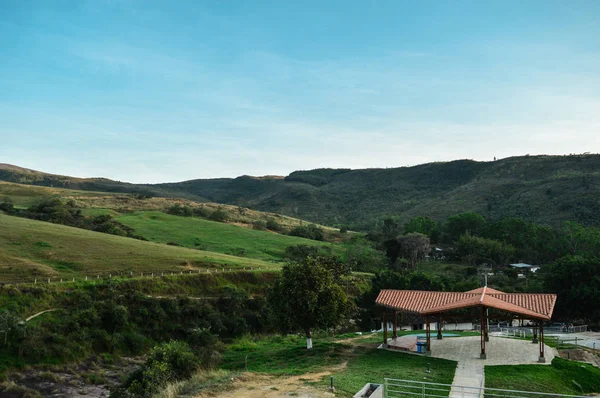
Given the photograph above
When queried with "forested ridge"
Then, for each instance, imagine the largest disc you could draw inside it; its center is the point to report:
(543, 189)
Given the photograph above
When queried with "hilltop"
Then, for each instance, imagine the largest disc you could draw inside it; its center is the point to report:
(544, 189)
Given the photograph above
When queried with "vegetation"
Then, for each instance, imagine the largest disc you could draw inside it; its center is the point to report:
(543, 189)
(33, 249)
(287, 355)
(213, 236)
(308, 296)
(562, 377)
(168, 363)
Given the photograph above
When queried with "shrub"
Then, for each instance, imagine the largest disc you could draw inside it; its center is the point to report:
(309, 232)
(167, 362)
(219, 215)
(260, 225)
(273, 225)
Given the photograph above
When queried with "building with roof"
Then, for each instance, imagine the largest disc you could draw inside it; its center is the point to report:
(475, 303)
(523, 266)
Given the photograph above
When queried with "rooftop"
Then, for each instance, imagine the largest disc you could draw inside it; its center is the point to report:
(533, 305)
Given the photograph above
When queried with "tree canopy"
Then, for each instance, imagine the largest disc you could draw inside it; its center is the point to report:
(306, 296)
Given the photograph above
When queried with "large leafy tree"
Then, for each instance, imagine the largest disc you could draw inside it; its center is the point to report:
(476, 250)
(576, 281)
(306, 296)
(458, 225)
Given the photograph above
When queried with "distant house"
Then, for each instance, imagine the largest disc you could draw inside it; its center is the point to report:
(523, 266)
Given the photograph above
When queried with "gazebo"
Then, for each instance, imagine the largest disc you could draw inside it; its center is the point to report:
(432, 305)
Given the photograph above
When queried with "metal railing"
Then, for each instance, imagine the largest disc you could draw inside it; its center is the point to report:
(396, 388)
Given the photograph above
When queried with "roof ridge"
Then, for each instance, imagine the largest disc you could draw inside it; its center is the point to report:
(483, 294)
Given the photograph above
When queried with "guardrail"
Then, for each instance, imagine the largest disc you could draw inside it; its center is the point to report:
(396, 388)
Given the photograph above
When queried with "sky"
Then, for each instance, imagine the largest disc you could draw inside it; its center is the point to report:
(156, 91)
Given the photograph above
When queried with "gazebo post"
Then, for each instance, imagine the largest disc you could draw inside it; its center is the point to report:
(395, 327)
(534, 340)
(385, 335)
(482, 337)
(439, 327)
(542, 359)
(428, 333)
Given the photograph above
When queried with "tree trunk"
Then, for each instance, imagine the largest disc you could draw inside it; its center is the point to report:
(308, 339)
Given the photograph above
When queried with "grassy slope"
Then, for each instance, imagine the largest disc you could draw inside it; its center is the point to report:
(547, 189)
(212, 236)
(562, 377)
(31, 248)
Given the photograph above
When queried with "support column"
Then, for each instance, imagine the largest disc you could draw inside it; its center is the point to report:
(534, 340)
(385, 328)
(542, 359)
(428, 334)
(395, 327)
(486, 334)
(482, 329)
(439, 327)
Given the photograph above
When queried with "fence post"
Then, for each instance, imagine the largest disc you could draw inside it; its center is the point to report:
(423, 391)
(35, 280)
(48, 280)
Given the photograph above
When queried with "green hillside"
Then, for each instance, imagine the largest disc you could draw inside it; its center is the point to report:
(30, 249)
(544, 189)
(213, 236)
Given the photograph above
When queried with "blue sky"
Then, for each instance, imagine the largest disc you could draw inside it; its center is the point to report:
(153, 91)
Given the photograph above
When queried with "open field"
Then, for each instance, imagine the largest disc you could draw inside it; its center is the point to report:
(351, 361)
(31, 249)
(562, 377)
(194, 232)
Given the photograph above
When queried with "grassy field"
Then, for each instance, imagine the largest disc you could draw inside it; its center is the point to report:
(214, 236)
(351, 362)
(30, 249)
(562, 377)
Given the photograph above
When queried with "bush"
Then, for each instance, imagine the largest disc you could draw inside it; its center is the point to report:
(300, 252)
(259, 225)
(167, 362)
(219, 215)
(273, 225)
(180, 210)
(309, 232)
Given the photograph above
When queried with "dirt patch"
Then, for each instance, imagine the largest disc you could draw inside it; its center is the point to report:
(251, 385)
(581, 356)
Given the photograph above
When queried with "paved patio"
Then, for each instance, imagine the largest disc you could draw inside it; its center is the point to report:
(500, 351)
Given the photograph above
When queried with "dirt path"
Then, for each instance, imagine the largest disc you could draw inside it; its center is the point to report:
(40, 313)
(251, 385)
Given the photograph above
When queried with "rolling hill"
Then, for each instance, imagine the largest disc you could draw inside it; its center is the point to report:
(545, 189)
(34, 249)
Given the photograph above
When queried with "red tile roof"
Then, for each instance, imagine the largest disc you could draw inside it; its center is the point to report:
(424, 303)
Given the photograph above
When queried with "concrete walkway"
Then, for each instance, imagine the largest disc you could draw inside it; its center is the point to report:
(470, 369)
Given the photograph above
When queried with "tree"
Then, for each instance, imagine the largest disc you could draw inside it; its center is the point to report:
(576, 281)
(306, 296)
(458, 225)
(413, 247)
(476, 250)
(423, 225)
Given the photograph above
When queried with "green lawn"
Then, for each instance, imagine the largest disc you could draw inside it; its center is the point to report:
(561, 377)
(30, 249)
(194, 232)
(288, 356)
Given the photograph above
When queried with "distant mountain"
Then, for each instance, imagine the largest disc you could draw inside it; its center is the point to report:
(546, 189)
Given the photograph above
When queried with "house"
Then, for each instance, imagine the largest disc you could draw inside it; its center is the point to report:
(523, 266)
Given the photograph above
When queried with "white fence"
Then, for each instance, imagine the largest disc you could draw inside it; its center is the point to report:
(123, 274)
(395, 388)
